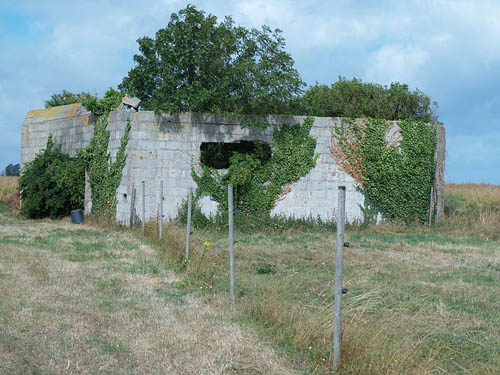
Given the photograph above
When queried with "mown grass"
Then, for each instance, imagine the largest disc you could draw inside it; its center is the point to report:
(80, 299)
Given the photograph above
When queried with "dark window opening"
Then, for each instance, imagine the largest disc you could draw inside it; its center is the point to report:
(217, 154)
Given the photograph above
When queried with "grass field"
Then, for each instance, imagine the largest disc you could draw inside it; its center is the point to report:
(420, 300)
(472, 209)
(407, 297)
(81, 300)
(8, 192)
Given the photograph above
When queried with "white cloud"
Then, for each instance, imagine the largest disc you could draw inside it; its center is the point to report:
(395, 63)
(259, 12)
(444, 47)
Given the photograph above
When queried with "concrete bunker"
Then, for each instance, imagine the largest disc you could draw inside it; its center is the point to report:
(165, 147)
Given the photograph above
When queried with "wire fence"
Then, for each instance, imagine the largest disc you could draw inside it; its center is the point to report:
(365, 249)
(326, 288)
(404, 257)
(419, 261)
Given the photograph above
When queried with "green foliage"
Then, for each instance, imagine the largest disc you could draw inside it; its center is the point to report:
(100, 107)
(54, 180)
(217, 154)
(181, 284)
(266, 269)
(112, 99)
(52, 184)
(354, 98)
(67, 97)
(104, 174)
(396, 180)
(201, 65)
(198, 219)
(257, 184)
(13, 170)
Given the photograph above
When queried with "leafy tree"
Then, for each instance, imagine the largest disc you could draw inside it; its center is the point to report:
(52, 184)
(355, 98)
(67, 97)
(201, 65)
(13, 170)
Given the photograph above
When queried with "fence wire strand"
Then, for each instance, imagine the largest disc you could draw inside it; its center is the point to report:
(416, 260)
(315, 235)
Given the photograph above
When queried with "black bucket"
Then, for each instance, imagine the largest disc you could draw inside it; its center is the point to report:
(77, 216)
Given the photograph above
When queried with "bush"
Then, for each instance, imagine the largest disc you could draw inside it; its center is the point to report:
(355, 98)
(13, 170)
(52, 184)
(100, 107)
(65, 98)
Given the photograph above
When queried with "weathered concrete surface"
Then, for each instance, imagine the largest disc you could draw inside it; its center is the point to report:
(440, 165)
(165, 147)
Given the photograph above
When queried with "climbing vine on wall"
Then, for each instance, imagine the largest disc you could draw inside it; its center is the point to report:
(104, 174)
(258, 184)
(395, 176)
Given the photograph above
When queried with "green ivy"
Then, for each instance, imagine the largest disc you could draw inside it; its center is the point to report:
(101, 107)
(395, 178)
(104, 174)
(257, 184)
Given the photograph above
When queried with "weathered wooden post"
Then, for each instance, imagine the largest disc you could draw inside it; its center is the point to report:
(431, 206)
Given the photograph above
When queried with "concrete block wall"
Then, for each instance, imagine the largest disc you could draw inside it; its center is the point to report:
(70, 126)
(165, 147)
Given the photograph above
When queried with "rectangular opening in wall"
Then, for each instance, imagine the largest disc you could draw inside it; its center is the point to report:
(217, 154)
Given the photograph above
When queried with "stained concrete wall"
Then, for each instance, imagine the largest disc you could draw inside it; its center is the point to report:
(165, 147)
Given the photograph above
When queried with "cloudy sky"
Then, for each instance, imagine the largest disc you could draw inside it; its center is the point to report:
(447, 49)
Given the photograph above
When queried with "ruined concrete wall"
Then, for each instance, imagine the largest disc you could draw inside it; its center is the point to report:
(439, 177)
(165, 147)
(70, 126)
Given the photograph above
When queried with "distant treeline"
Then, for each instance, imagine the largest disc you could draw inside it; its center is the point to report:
(11, 170)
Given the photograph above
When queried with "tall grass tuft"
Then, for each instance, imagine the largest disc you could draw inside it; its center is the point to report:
(200, 266)
(472, 209)
(9, 192)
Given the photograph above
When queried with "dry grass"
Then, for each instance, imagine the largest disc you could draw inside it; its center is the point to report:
(405, 294)
(472, 209)
(82, 300)
(9, 191)
(483, 193)
(400, 282)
